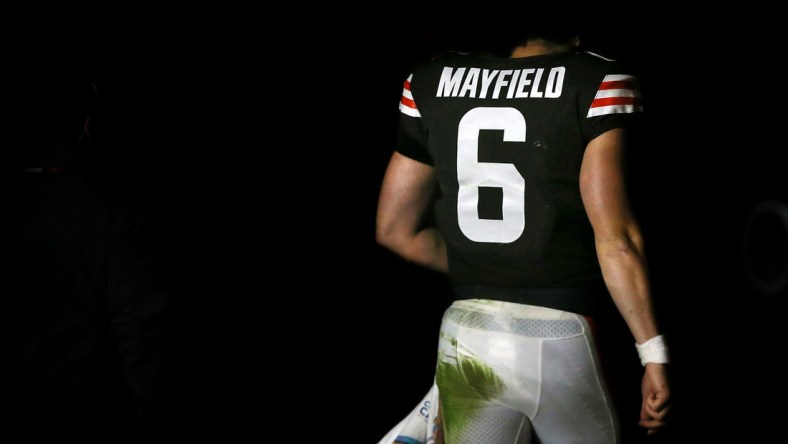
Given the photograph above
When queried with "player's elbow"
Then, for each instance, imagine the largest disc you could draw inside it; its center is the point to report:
(382, 237)
(387, 234)
(615, 246)
(619, 247)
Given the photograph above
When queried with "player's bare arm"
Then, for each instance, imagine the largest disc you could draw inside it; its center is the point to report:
(621, 256)
(405, 197)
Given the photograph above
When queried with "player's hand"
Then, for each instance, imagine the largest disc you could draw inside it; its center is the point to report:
(437, 434)
(656, 398)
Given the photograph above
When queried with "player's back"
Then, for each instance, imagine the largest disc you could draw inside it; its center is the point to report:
(507, 138)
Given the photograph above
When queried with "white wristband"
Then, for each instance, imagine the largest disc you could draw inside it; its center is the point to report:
(654, 350)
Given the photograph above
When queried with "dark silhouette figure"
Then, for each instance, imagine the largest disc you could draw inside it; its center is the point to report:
(83, 319)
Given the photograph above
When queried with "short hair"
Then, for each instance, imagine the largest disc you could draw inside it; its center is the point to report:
(516, 32)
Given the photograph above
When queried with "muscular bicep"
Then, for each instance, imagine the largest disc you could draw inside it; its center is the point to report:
(405, 197)
(603, 185)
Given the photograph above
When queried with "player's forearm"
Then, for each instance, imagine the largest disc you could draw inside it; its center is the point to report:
(624, 271)
(425, 247)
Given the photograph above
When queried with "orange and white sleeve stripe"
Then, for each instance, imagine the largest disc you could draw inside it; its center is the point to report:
(617, 94)
(406, 104)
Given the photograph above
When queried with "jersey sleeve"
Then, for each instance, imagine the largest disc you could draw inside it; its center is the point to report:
(411, 137)
(612, 100)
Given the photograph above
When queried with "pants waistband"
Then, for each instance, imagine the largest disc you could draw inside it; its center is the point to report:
(580, 300)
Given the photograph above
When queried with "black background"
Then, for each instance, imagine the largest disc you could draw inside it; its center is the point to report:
(259, 153)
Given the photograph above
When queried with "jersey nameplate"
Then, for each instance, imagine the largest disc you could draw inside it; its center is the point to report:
(509, 83)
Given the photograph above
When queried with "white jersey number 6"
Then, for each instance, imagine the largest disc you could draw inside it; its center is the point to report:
(473, 174)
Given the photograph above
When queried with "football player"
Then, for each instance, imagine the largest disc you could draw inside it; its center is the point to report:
(521, 158)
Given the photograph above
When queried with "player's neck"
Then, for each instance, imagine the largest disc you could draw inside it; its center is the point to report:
(538, 47)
